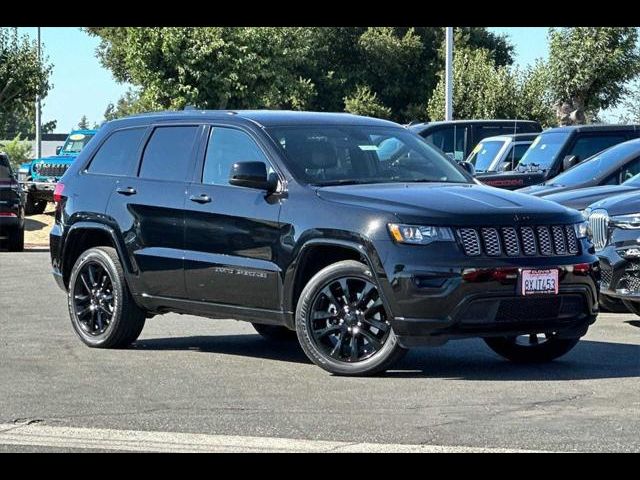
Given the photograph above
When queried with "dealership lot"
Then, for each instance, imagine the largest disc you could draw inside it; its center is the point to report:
(187, 375)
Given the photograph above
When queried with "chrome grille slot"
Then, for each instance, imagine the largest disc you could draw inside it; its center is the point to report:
(559, 244)
(491, 241)
(470, 241)
(544, 241)
(599, 226)
(511, 243)
(528, 241)
(572, 239)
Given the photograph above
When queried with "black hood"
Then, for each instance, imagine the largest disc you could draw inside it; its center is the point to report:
(620, 204)
(451, 204)
(583, 197)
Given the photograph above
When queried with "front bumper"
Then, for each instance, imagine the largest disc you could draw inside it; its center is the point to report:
(620, 265)
(431, 304)
(39, 190)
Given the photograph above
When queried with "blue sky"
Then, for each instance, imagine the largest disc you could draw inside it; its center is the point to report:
(81, 86)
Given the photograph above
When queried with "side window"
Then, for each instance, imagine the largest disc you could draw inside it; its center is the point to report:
(117, 154)
(631, 169)
(167, 155)
(450, 140)
(585, 147)
(226, 147)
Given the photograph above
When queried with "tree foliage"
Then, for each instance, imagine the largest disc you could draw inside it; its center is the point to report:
(83, 124)
(22, 77)
(483, 89)
(589, 68)
(319, 68)
(18, 150)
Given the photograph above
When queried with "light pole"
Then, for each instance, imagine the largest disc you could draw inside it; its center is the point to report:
(38, 122)
(448, 98)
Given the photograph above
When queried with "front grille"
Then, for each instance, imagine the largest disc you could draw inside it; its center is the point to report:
(52, 169)
(541, 240)
(606, 276)
(599, 226)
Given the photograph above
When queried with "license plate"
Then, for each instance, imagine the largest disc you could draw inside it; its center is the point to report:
(539, 282)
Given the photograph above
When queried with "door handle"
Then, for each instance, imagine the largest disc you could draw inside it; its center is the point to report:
(126, 191)
(203, 198)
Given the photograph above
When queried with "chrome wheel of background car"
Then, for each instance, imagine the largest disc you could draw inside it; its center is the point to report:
(348, 321)
(93, 299)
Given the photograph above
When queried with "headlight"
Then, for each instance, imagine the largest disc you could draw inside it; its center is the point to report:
(585, 213)
(628, 222)
(582, 229)
(419, 234)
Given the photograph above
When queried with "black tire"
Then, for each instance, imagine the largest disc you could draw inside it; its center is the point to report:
(613, 305)
(127, 319)
(274, 332)
(633, 307)
(530, 352)
(34, 207)
(376, 357)
(15, 242)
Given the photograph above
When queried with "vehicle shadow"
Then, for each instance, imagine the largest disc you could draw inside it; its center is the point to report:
(462, 359)
(32, 225)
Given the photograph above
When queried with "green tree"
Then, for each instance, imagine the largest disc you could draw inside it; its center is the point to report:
(281, 67)
(631, 104)
(589, 68)
(365, 102)
(22, 77)
(482, 89)
(18, 150)
(83, 124)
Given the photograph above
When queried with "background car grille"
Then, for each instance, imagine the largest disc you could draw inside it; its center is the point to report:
(599, 226)
(52, 169)
(514, 242)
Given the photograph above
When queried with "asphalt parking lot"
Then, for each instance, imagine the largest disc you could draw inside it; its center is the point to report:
(198, 384)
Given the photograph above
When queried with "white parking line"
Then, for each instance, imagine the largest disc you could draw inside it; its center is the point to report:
(142, 441)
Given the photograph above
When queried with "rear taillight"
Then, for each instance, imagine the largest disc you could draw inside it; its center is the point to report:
(58, 193)
(7, 214)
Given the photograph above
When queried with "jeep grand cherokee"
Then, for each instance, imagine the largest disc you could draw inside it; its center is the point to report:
(350, 231)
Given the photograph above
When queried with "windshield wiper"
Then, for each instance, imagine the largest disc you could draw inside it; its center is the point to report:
(333, 183)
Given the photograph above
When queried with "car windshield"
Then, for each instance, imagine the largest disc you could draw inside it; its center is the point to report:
(351, 154)
(485, 152)
(76, 142)
(543, 151)
(597, 166)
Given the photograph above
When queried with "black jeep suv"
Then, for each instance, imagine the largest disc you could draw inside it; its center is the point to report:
(351, 231)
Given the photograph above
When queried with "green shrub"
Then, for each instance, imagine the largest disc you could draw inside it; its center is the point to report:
(19, 151)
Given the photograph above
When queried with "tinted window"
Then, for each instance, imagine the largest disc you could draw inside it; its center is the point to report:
(167, 155)
(450, 140)
(585, 147)
(343, 154)
(117, 154)
(544, 150)
(5, 169)
(226, 147)
(76, 142)
(630, 170)
(484, 154)
(594, 167)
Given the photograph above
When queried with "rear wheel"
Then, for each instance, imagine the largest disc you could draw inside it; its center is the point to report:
(15, 242)
(531, 348)
(34, 207)
(343, 324)
(274, 332)
(102, 310)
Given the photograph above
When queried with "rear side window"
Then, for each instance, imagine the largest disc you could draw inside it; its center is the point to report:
(168, 153)
(451, 140)
(586, 147)
(117, 154)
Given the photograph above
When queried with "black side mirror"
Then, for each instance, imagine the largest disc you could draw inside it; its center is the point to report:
(252, 175)
(58, 149)
(569, 161)
(468, 166)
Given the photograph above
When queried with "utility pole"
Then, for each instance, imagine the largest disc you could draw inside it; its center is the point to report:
(448, 99)
(38, 121)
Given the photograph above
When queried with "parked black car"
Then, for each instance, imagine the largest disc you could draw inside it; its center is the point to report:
(11, 207)
(611, 167)
(581, 198)
(500, 153)
(457, 138)
(615, 226)
(351, 231)
(557, 150)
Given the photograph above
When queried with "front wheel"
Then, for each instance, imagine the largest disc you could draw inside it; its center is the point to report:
(531, 348)
(34, 207)
(343, 324)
